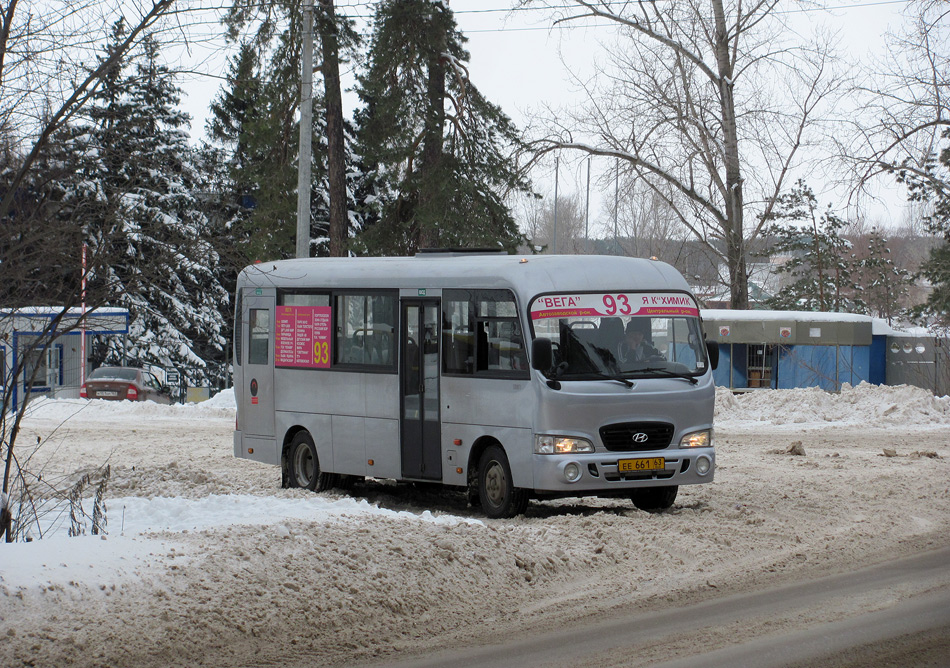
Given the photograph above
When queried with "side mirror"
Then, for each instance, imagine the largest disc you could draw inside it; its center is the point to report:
(542, 355)
(712, 349)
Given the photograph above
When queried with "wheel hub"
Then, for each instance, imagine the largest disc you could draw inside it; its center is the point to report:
(495, 484)
(303, 465)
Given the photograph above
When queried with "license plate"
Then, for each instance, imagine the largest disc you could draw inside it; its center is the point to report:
(648, 464)
(106, 393)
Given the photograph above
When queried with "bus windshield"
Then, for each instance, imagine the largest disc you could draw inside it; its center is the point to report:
(621, 335)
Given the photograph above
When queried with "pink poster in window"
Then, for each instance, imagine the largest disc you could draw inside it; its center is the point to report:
(303, 337)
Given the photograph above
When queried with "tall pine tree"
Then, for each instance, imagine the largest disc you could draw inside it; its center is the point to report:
(438, 152)
(268, 130)
(147, 225)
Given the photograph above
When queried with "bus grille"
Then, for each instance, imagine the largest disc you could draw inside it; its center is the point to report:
(628, 436)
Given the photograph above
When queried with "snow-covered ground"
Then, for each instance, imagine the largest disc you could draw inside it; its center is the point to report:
(208, 562)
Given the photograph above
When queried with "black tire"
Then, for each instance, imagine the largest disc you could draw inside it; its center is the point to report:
(654, 499)
(303, 465)
(496, 491)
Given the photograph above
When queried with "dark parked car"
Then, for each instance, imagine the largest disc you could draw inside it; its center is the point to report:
(124, 382)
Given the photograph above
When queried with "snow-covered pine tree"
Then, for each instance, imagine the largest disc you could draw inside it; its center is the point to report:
(233, 186)
(148, 226)
(40, 246)
(817, 263)
(883, 284)
(439, 153)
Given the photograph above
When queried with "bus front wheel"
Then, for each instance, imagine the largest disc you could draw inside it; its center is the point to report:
(496, 491)
(654, 499)
(303, 465)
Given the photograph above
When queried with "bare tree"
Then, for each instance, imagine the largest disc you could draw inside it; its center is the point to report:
(49, 70)
(647, 226)
(906, 96)
(707, 104)
(50, 67)
(540, 228)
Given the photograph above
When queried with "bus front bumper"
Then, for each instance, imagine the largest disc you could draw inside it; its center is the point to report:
(610, 472)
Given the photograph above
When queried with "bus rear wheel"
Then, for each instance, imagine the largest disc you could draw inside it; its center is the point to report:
(303, 465)
(496, 491)
(654, 499)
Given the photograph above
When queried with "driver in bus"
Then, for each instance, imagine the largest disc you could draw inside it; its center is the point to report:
(633, 347)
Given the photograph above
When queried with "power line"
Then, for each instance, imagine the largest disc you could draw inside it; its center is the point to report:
(561, 26)
(547, 8)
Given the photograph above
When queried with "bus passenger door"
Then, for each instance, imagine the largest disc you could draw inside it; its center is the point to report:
(419, 389)
(257, 396)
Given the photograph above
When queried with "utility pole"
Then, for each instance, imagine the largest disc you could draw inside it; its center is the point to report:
(306, 129)
(556, 173)
(616, 207)
(587, 214)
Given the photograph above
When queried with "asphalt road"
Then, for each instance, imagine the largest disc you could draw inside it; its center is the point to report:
(893, 614)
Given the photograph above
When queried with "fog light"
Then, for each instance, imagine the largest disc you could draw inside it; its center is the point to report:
(703, 465)
(572, 472)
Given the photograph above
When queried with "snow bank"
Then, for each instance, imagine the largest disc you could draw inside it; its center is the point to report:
(220, 405)
(136, 523)
(137, 515)
(874, 406)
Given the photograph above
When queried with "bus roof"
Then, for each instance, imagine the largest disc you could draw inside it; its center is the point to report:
(527, 275)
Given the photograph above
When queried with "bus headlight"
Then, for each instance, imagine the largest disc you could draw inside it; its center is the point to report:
(560, 445)
(697, 439)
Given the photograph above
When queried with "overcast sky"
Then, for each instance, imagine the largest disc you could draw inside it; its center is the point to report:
(520, 62)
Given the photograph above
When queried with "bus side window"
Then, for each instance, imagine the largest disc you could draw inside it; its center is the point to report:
(458, 337)
(482, 333)
(259, 327)
(364, 332)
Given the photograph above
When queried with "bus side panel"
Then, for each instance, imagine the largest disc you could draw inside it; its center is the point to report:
(501, 408)
(338, 393)
(349, 445)
(259, 449)
(318, 391)
(382, 447)
(488, 401)
(381, 397)
(517, 443)
(337, 401)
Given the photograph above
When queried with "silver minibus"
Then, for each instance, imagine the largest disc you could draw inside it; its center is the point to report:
(511, 377)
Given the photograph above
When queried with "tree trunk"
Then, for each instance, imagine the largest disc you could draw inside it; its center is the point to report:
(426, 230)
(336, 159)
(734, 233)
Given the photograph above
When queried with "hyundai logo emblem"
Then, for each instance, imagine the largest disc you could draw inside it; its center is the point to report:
(640, 437)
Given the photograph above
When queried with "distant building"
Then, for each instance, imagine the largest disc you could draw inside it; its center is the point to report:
(54, 361)
(789, 349)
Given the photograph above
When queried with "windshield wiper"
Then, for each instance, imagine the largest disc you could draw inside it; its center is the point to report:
(672, 374)
(607, 376)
